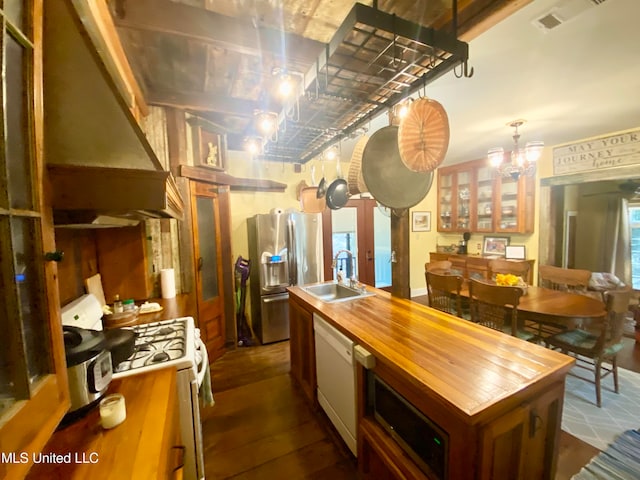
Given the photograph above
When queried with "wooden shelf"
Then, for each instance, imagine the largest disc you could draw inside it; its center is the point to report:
(235, 183)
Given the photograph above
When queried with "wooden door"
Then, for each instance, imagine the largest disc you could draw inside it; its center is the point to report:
(364, 229)
(205, 215)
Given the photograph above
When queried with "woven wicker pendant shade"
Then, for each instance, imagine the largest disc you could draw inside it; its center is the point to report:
(423, 135)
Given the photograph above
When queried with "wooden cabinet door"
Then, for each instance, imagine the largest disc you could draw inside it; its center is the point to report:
(205, 214)
(302, 349)
(33, 380)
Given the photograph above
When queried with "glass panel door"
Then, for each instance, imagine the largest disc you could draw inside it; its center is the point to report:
(382, 247)
(363, 228)
(508, 213)
(208, 260)
(485, 207)
(464, 195)
(445, 202)
(344, 236)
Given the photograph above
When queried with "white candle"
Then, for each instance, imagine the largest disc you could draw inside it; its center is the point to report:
(112, 410)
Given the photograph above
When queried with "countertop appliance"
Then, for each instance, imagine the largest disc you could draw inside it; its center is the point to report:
(336, 375)
(285, 249)
(89, 368)
(175, 342)
(424, 441)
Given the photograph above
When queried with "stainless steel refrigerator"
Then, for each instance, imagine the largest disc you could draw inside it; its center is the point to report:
(285, 249)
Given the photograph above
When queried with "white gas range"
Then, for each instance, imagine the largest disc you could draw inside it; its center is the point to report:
(175, 342)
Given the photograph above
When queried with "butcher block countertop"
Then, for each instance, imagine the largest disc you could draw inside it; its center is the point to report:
(474, 370)
(140, 447)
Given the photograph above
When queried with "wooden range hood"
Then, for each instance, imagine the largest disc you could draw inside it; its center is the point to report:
(111, 197)
(102, 169)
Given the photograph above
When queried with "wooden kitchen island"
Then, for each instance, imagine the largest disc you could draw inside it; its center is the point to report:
(497, 399)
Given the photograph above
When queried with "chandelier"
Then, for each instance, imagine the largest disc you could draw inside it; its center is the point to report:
(522, 161)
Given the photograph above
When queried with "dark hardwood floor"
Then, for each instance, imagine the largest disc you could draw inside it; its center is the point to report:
(262, 428)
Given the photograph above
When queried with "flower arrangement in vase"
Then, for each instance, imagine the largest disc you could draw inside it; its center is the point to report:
(510, 280)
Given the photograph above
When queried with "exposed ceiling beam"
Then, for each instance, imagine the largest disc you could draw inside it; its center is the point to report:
(201, 101)
(164, 16)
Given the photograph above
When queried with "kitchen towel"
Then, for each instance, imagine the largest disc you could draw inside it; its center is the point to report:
(168, 283)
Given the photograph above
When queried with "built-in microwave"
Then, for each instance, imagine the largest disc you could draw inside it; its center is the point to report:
(424, 441)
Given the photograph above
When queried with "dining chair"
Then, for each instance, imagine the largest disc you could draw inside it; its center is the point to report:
(566, 279)
(443, 292)
(496, 307)
(519, 269)
(592, 348)
(440, 266)
(458, 266)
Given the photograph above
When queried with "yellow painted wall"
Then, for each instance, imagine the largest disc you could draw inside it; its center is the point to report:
(246, 204)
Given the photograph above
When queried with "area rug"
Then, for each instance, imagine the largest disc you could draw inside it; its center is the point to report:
(620, 461)
(582, 418)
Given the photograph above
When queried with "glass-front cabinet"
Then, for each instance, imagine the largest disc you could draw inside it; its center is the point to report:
(485, 199)
(446, 201)
(455, 190)
(33, 389)
(473, 197)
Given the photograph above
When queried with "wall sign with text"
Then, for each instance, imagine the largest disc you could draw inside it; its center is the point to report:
(598, 154)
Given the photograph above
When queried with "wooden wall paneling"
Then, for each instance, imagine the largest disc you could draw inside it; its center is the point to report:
(80, 261)
(154, 126)
(122, 262)
(176, 139)
(173, 241)
(228, 265)
(185, 229)
(154, 255)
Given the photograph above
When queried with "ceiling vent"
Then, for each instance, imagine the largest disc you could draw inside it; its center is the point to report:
(563, 12)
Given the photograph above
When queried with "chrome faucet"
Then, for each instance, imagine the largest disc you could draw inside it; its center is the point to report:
(352, 280)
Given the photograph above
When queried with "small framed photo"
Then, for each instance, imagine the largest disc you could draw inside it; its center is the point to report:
(495, 246)
(421, 221)
(515, 252)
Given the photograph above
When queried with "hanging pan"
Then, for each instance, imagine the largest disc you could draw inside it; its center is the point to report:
(322, 187)
(388, 179)
(337, 194)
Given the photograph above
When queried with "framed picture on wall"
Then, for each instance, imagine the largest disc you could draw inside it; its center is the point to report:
(209, 145)
(421, 221)
(495, 246)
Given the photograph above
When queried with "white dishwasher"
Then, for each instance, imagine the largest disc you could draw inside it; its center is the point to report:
(336, 377)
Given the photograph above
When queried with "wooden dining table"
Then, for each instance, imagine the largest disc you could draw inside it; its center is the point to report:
(556, 308)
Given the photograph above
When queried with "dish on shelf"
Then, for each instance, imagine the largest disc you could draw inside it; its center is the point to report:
(507, 211)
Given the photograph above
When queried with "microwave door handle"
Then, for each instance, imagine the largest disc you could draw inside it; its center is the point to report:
(292, 254)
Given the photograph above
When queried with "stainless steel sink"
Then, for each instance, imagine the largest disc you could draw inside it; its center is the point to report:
(333, 292)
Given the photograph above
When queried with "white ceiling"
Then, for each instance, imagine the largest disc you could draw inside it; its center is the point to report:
(578, 80)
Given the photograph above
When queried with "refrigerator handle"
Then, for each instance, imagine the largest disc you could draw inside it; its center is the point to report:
(292, 253)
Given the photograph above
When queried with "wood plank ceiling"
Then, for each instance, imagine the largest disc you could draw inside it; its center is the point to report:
(216, 59)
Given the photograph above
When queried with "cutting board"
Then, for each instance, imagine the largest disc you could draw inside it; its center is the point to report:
(93, 285)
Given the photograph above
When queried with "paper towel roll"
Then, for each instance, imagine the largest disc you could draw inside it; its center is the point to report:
(168, 283)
